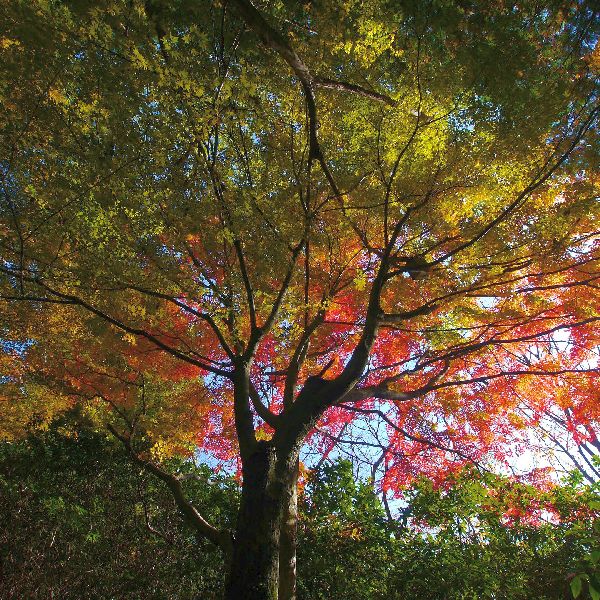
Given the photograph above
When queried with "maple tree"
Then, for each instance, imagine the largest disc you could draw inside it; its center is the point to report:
(244, 229)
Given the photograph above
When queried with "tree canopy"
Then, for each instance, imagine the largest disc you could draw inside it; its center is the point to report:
(252, 230)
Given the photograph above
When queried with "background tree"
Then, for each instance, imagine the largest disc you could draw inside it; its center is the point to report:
(78, 522)
(242, 229)
(477, 536)
(117, 533)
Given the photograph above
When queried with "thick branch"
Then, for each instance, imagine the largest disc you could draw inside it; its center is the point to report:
(298, 358)
(343, 86)
(261, 410)
(244, 424)
(220, 538)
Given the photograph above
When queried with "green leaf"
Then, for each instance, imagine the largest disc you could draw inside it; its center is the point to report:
(576, 585)
(594, 592)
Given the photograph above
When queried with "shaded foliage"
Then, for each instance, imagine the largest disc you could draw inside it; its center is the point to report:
(457, 542)
(75, 518)
(73, 525)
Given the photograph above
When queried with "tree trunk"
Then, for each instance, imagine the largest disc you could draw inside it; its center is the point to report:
(287, 549)
(267, 492)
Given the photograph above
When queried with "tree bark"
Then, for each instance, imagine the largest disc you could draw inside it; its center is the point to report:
(288, 541)
(268, 505)
(254, 571)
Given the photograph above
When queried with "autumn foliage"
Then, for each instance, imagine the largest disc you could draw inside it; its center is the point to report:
(313, 227)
